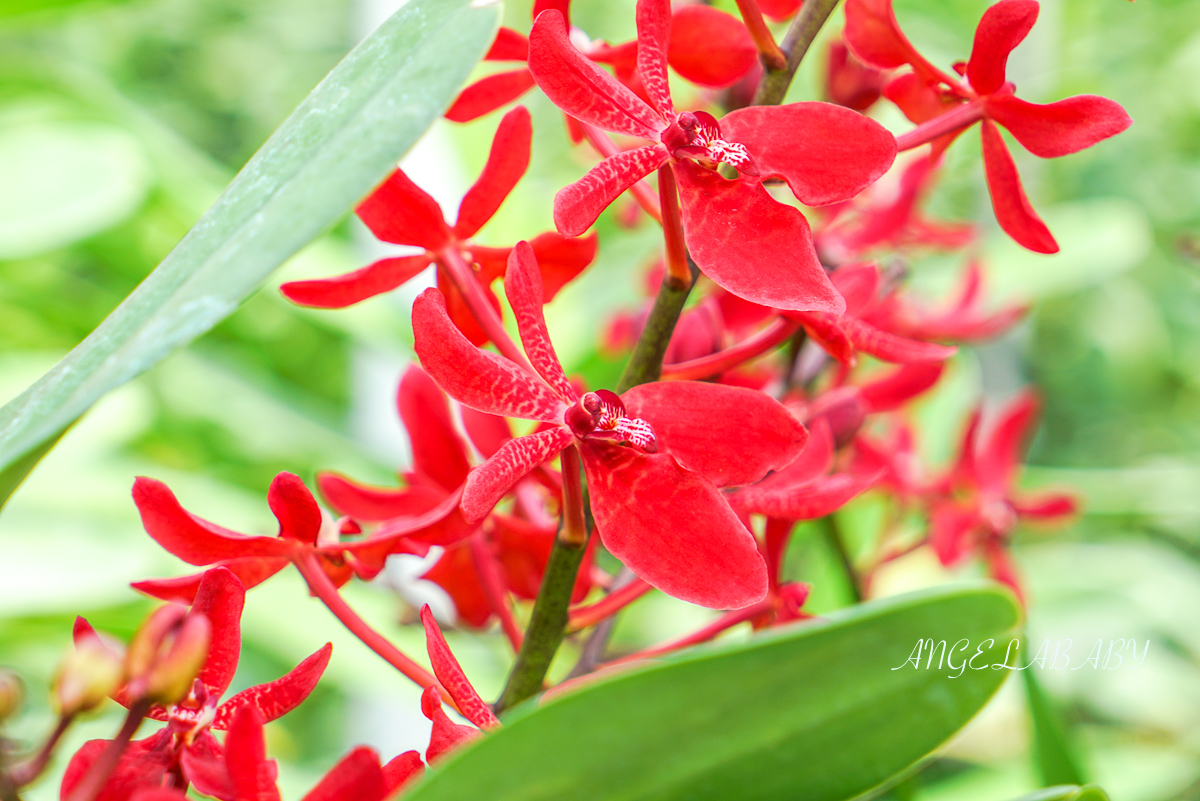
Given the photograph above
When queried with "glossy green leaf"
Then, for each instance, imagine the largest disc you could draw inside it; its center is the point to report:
(327, 155)
(1052, 751)
(821, 711)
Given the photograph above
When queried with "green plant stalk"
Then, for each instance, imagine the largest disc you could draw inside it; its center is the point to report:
(833, 536)
(799, 38)
(645, 363)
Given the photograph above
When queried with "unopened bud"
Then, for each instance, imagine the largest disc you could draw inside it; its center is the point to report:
(89, 674)
(12, 693)
(166, 654)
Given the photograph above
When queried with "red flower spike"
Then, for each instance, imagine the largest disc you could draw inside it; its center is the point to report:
(451, 675)
(734, 227)
(710, 47)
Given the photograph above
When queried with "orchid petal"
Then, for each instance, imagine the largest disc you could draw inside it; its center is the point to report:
(998, 457)
(874, 36)
(455, 573)
(402, 769)
(509, 45)
(560, 259)
(446, 735)
(251, 571)
(487, 432)
(731, 435)
(805, 501)
(220, 598)
(490, 93)
(779, 9)
(507, 162)
(1046, 506)
(281, 696)
(400, 212)
(142, 765)
(577, 205)
(523, 288)
(813, 462)
(672, 527)
(950, 529)
(828, 331)
(492, 480)
(438, 451)
(900, 386)
(1003, 26)
(1013, 212)
(1057, 129)
(858, 284)
(475, 377)
(654, 35)
(580, 88)
(295, 508)
(207, 772)
(452, 677)
(710, 47)
(250, 772)
(356, 776)
(368, 503)
(345, 290)
(892, 348)
(751, 245)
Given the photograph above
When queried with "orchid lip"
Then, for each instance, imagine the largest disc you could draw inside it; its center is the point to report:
(601, 415)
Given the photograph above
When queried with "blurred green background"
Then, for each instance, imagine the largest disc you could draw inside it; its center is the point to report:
(120, 122)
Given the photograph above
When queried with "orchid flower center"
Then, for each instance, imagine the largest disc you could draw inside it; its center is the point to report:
(602, 415)
(193, 714)
(697, 135)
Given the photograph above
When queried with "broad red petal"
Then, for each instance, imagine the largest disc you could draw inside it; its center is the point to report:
(1057, 129)
(523, 288)
(220, 598)
(345, 290)
(874, 36)
(710, 47)
(492, 480)
(142, 766)
(490, 93)
(751, 245)
(295, 508)
(251, 571)
(452, 677)
(561, 258)
(672, 527)
(734, 436)
(402, 769)
(475, 377)
(507, 161)
(654, 35)
(281, 696)
(250, 772)
(779, 9)
(192, 539)
(1003, 26)
(400, 212)
(1013, 212)
(825, 152)
(356, 776)
(998, 455)
(582, 89)
(438, 451)
(577, 205)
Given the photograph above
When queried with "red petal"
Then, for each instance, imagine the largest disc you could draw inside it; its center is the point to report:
(492, 480)
(560, 259)
(710, 47)
(900, 386)
(875, 37)
(998, 456)
(487, 432)
(345, 290)
(654, 34)
(580, 88)
(1013, 212)
(524, 548)
(475, 377)
(828, 331)
(1003, 26)
(1046, 507)
(195, 541)
(490, 93)
(251, 571)
(577, 205)
(455, 573)
(452, 677)
(779, 9)
(278, 697)
(950, 528)
(295, 508)
(220, 598)
(400, 212)
(507, 162)
(142, 766)
(356, 776)
(402, 769)
(250, 772)
(813, 462)
(523, 288)
(369, 503)
(1056, 129)
(826, 153)
(672, 527)
(734, 436)
(806, 501)
(891, 348)
(734, 229)
(858, 284)
(446, 735)
(509, 45)
(438, 450)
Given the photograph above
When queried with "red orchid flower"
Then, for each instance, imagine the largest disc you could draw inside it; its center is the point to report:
(945, 105)
(654, 457)
(980, 505)
(304, 530)
(448, 735)
(846, 407)
(400, 212)
(185, 751)
(732, 228)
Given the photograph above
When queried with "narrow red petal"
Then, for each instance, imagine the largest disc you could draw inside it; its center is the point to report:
(751, 245)
(475, 377)
(731, 435)
(828, 331)
(446, 735)
(460, 312)
(278, 697)
(220, 598)
(507, 161)
(825, 152)
(900, 386)
(523, 288)
(487, 432)
(560, 259)
(950, 529)
(875, 37)
(672, 527)
(1057, 129)
(346, 290)
(577, 205)
(400, 212)
(891, 348)
(356, 776)
(251, 571)
(438, 451)
(654, 35)
(580, 88)
(1048, 506)
(250, 772)
(509, 45)
(490, 93)
(402, 769)
(295, 508)
(455, 573)
(367, 503)
(452, 677)
(710, 47)
(805, 501)
(1003, 26)
(998, 456)
(1013, 212)
(858, 284)
(492, 480)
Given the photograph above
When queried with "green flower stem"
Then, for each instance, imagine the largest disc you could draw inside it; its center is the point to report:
(835, 540)
(645, 363)
(804, 28)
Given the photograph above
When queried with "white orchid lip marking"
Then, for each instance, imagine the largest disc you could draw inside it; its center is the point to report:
(602, 415)
(696, 135)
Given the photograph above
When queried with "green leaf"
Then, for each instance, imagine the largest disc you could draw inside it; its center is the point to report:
(326, 156)
(1053, 755)
(1067, 792)
(821, 711)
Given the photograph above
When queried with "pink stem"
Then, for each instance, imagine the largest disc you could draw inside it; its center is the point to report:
(773, 58)
(94, 780)
(774, 334)
(725, 621)
(642, 192)
(590, 615)
(25, 772)
(574, 524)
(955, 119)
(493, 588)
(464, 278)
(678, 271)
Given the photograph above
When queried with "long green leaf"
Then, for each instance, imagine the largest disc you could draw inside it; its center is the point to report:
(329, 153)
(1052, 750)
(814, 712)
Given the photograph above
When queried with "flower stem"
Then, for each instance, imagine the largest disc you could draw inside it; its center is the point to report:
(493, 587)
(716, 363)
(833, 537)
(25, 772)
(800, 35)
(645, 363)
(615, 601)
(953, 120)
(93, 781)
(725, 621)
(772, 57)
(481, 308)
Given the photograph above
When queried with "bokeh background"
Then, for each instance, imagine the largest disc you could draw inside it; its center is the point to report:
(121, 121)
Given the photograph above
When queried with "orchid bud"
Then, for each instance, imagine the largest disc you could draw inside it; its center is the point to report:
(12, 693)
(167, 653)
(91, 672)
